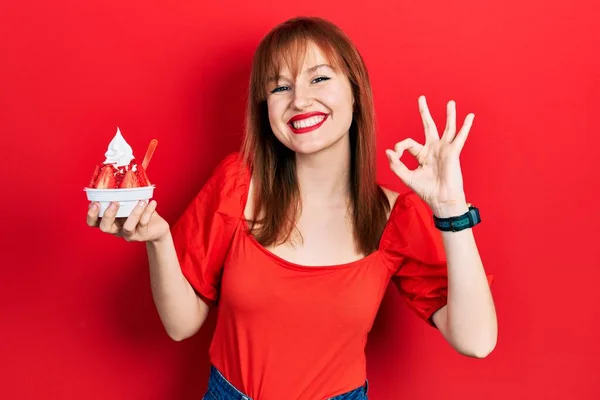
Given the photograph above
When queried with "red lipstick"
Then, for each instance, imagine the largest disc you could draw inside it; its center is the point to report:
(305, 116)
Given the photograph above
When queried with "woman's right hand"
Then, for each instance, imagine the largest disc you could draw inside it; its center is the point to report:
(143, 224)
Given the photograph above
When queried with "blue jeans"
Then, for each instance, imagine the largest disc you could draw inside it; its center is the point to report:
(219, 388)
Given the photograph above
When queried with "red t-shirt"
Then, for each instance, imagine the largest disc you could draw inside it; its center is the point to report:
(287, 331)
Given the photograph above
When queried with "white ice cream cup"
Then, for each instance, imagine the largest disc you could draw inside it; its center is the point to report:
(127, 198)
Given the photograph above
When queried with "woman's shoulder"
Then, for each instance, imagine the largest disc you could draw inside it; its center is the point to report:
(231, 166)
(408, 218)
(392, 197)
(403, 201)
(400, 202)
(226, 189)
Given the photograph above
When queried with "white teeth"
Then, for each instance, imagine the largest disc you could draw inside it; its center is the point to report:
(305, 123)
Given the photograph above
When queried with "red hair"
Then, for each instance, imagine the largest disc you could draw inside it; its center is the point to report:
(276, 194)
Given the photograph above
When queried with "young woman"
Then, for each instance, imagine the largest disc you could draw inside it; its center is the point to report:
(296, 243)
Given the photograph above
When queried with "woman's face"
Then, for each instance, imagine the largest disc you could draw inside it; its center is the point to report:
(314, 111)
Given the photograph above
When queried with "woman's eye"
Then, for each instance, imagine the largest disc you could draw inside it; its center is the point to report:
(279, 89)
(285, 88)
(321, 79)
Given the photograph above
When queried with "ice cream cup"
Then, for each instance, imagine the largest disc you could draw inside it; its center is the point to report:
(127, 198)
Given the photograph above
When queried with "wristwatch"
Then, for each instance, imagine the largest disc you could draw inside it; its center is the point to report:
(455, 224)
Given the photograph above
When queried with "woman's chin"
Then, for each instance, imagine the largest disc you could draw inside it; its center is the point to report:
(308, 147)
(313, 142)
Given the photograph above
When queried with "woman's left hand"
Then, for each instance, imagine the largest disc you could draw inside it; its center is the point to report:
(438, 178)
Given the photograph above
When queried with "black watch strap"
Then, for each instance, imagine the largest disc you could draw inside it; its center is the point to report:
(455, 224)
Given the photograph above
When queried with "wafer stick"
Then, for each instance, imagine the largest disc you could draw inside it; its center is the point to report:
(149, 153)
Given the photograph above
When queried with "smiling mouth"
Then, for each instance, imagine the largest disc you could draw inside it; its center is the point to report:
(307, 124)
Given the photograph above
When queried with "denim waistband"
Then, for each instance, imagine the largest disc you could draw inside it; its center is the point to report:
(219, 388)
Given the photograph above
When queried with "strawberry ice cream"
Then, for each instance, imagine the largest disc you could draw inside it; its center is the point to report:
(119, 170)
(120, 178)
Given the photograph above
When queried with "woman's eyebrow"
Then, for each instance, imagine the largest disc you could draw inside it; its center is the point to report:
(316, 67)
(307, 71)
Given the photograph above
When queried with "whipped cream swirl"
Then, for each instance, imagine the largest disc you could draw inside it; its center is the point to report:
(119, 152)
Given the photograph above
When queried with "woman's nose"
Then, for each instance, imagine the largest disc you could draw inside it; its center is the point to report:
(302, 98)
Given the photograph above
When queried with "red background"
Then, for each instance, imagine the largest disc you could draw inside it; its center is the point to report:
(78, 321)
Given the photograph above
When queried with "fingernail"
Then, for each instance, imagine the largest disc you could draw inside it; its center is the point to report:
(92, 205)
(392, 159)
(141, 203)
(111, 206)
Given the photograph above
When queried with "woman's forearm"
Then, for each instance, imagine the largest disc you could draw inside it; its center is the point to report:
(180, 309)
(469, 321)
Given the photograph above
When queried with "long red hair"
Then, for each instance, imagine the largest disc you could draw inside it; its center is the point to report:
(276, 194)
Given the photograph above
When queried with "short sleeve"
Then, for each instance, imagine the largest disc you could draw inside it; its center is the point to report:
(415, 251)
(204, 232)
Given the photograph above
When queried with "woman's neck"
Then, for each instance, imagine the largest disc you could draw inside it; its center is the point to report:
(324, 177)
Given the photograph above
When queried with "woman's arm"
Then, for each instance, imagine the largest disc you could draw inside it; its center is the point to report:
(468, 321)
(181, 310)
